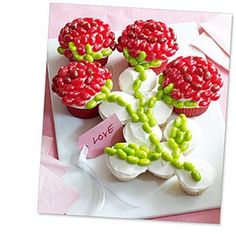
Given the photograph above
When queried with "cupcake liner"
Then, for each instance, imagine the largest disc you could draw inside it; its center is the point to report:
(159, 69)
(191, 112)
(83, 113)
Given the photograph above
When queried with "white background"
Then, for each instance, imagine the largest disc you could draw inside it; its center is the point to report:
(23, 43)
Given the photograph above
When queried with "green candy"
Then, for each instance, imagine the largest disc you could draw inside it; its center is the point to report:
(110, 151)
(177, 122)
(178, 104)
(77, 57)
(147, 128)
(144, 162)
(119, 146)
(152, 102)
(91, 104)
(160, 95)
(138, 68)
(88, 58)
(183, 117)
(179, 137)
(129, 151)
(144, 148)
(106, 52)
(160, 88)
(140, 110)
(133, 146)
(196, 175)
(96, 55)
(112, 98)
(153, 156)
(168, 89)
(177, 164)
(176, 153)
(145, 66)
(121, 102)
(190, 104)
(136, 85)
(184, 125)
(184, 146)
(159, 148)
(143, 117)
(149, 112)
(173, 132)
(72, 47)
(109, 84)
(142, 56)
(188, 166)
(138, 95)
(132, 61)
(155, 63)
(129, 109)
(126, 53)
(142, 102)
(105, 90)
(132, 160)
(135, 117)
(161, 79)
(167, 99)
(88, 49)
(100, 97)
(60, 50)
(121, 154)
(152, 121)
(154, 139)
(142, 75)
(141, 154)
(166, 156)
(172, 144)
(188, 135)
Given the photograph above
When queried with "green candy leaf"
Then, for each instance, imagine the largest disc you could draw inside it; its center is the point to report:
(126, 53)
(88, 49)
(110, 151)
(132, 61)
(88, 58)
(121, 154)
(112, 98)
(190, 104)
(136, 85)
(120, 146)
(72, 47)
(142, 56)
(109, 84)
(106, 52)
(166, 156)
(147, 128)
(177, 164)
(132, 160)
(196, 175)
(135, 117)
(161, 79)
(178, 104)
(154, 139)
(188, 166)
(167, 99)
(154, 156)
(168, 89)
(155, 63)
(138, 68)
(60, 50)
(91, 104)
(144, 162)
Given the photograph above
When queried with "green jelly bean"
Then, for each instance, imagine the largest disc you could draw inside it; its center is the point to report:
(129, 151)
(155, 63)
(135, 117)
(138, 95)
(166, 156)
(77, 57)
(161, 78)
(60, 50)
(91, 104)
(142, 102)
(143, 117)
(144, 162)
(106, 52)
(132, 61)
(112, 98)
(72, 47)
(105, 90)
(177, 164)
(120, 146)
(167, 99)
(149, 112)
(188, 166)
(110, 151)
(183, 117)
(196, 175)
(173, 132)
(184, 125)
(160, 95)
(152, 121)
(142, 56)
(141, 154)
(159, 88)
(142, 75)
(88, 58)
(121, 102)
(190, 104)
(184, 146)
(133, 146)
(179, 137)
(177, 122)
(130, 109)
(96, 55)
(136, 85)
(109, 84)
(172, 144)
(140, 110)
(159, 148)
(154, 156)
(154, 139)
(126, 53)
(121, 154)
(176, 153)
(168, 89)
(145, 66)
(132, 160)
(147, 128)
(188, 135)
(178, 104)
(88, 48)
(144, 148)
(152, 102)
(138, 68)
(100, 97)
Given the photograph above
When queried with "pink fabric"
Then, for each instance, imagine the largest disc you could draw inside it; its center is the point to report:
(62, 13)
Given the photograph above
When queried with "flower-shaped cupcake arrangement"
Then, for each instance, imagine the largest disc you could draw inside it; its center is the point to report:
(150, 90)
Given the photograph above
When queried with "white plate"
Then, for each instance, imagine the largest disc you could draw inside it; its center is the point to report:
(152, 196)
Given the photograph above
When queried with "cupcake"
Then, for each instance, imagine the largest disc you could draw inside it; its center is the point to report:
(149, 42)
(82, 86)
(190, 84)
(86, 39)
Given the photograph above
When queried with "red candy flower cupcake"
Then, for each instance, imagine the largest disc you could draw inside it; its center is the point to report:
(149, 42)
(190, 84)
(86, 39)
(82, 86)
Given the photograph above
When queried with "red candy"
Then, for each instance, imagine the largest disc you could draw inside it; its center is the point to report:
(77, 82)
(194, 78)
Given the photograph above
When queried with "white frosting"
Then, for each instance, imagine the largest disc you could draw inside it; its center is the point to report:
(196, 133)
(161, 168)
(106, 109)
(129, 75)
(207, 172)
(134, 133)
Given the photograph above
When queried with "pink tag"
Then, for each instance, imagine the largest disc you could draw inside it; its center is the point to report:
(106, 133)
